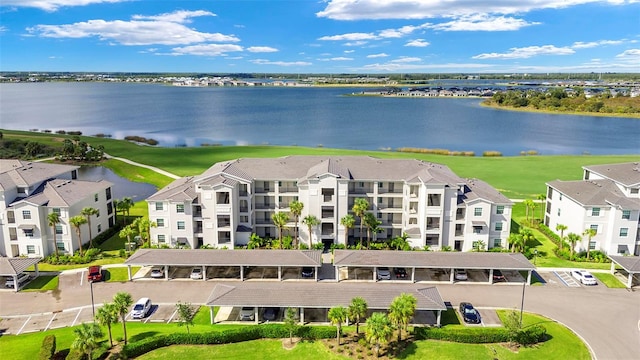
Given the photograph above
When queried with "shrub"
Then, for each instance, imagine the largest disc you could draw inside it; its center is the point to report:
(75, 354)
(466, 335)
(491, 153)
(48, 348)
(532, 335)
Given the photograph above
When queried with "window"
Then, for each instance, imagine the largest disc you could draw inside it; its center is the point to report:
(592, 245)
(594, 227)
(159, 206)
(180, 208)
(28, 232)
(635, 191)
(477, 212)
(99, 228)
(558, 211)
(595, 212)
(244, 218)
(624, 232)
(160, 223)
(626, 214)
(26, 214)
(95, 197)
(380, 185)
(497, 243)
(161, 239)
(56, 211)
(477, 229)
(500, 209)
(98, 213)
(499, 226)
(58, 229)
(560, 198)
(31, 249)
(60, 245)
(180, 225)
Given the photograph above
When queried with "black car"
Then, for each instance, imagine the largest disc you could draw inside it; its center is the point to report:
(400, 273)
(498, 276)
(271, 313)
(469, 314)
(307, 272)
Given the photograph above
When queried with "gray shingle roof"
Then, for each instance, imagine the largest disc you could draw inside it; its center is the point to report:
(595, 193)
(178, 190)
(63, 193)
(210, 257)
(624, 173)
(14, 266)
(25, 173)
(629, 263)
(482, 190)
(432, 259)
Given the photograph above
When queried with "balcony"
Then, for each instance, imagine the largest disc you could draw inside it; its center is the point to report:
(265, 206)
(243, 193)
(244, 209)
(264, 221)
(288, 189)
(263, 190)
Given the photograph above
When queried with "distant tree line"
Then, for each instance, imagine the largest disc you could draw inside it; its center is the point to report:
(71, 149)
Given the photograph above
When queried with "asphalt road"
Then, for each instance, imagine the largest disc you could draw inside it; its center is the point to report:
(607, 319)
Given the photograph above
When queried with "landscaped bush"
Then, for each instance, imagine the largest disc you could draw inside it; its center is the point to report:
(532, 335)
(106, 235)
(48, 348)
(463, 335)
(75, 354)
(64, 259)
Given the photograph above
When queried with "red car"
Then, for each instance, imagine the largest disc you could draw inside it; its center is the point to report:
(95, 273)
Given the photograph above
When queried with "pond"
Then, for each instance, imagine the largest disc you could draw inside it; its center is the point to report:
(121, 187)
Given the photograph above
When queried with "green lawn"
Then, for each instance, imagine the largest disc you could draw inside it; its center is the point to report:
(42, 283)
(609, 280)
(119, 274)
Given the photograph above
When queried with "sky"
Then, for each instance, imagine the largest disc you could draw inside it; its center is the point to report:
(321, 36)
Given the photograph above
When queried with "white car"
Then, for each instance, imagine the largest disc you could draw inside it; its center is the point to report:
(157, 272)
(196, 273)
(384, 273)
(584, 277)
(461, 274)
(141, 308)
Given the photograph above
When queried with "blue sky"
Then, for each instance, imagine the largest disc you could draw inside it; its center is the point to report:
(321, 36)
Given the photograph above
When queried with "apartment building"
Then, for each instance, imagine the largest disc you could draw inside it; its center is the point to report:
(30, 191)
(607, 199)
(233, 199)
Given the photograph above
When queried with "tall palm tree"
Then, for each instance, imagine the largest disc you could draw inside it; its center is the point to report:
(124, 206)
(144, 226)
(296, 210)
(561, 228)
(348, 221)
(127, 232)
(311, 221)
(107, 315)
(358, 310)
(527, 236)
(590, 233)
(373, 226)
(516, 241)
(573, 240)
(87, 337)
(77, 222)
(360, 207)
(529, 206)
(338, 315)
(280, 220)
(88, 212)
(541, 198)
(53, 219)
(401, 311)
(121, 303)
(379, 330)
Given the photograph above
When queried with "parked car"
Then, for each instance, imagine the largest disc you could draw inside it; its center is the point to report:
(384, 273)
(400, 273)
(271, 313)
(461, 274)
(469, 314)
(157, 272)
(307, 272)
(95, 273)
(141, 308)
(247, 313)
(584, 277)
(498, 276)
(196, 273)
(22, 278)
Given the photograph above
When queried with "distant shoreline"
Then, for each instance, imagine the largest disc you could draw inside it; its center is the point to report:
(530, 110)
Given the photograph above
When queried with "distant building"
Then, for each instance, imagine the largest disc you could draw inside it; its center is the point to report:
(607, 199)
(233, 199)
(30, 191)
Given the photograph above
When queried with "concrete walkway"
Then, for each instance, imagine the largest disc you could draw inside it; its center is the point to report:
(159, 171)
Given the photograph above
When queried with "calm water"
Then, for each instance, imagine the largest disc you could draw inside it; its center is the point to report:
(178, 116)
(121, 186)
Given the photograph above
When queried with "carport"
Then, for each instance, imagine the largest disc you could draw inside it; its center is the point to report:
(280, 259)
(448, 261)
(630, 264)
(15, 266)
(320, 296)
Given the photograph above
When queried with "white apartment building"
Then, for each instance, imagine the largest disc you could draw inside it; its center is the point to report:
(233, 199)
(30, 191)
(607, 199)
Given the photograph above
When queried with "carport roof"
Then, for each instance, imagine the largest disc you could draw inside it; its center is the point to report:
(432, 259)
(629, 263)
(320, 295)
(211, 257)
(14, 266)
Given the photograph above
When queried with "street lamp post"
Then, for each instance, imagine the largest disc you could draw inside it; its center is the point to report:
(524, 285)
(93, 306)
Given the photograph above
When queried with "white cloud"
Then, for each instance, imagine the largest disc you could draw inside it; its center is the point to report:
(3, 29)
(261, 49)
(630, 54)
(527, 52)
(180, 16)
(483, 22)
(339, 58)
(417, 43)
(592, 44)
(206, 49)
(281, 63)
(349, 51)
(406, 59)
(355, 43)
(407, 67)
(373, 56)
(53, 5)
(401, 32)
(350, 37)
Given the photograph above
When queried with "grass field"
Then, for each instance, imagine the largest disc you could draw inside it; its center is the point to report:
(42, 283)
(609, 280)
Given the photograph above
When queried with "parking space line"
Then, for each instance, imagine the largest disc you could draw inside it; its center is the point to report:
(81, 277)
(77, 316)
(172, 315)
(23, 325)
(50, 321)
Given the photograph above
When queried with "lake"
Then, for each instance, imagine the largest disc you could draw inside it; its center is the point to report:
(313, 116)
(121, 187)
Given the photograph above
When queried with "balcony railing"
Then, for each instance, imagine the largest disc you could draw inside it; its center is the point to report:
(265, 206)
(264, 221)
(244, 209)
(288, 189)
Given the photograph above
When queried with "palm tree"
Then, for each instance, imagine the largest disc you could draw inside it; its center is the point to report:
(296, 210)
(311, 221)
(401, 311)
(280, 220)
(373, 226)
(529, 205)
(121, 303)
(53, 219)
(127, 232)
(358, 310)
(338, 315)
(107, 316)
(77, 221)
(573, 240)
(360, 207)
(88, 212)
(590, 233)
(379, 330)
(144, 226)
(541, 198)
(517, 242)
(348, 221)
(527, 235)
(561, 228)
(124, 206)
(87, 336)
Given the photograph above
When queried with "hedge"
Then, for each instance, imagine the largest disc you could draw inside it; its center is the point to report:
(463, 335)
(270, 331)
(48, 348)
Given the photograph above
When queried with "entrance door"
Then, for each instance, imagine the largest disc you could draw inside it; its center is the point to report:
(457, 245)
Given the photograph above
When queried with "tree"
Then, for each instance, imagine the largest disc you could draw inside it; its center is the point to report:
(529, 206)
(280, 220)
(512, 324)
(121, 303)
(311, 221)
(360, 207)
(358, 310)
(348, 221)
(107, 315)
(296, 210)
(77, 221)
(541, 198)
(144, 226)
(338, 315)
(479, 245)
(379, 330)
(573, 240)
(401, 311)
(561, 228)
(373, 227)
(53, 219)
(517, 242)
(290, 322)
(590, 233)
(124, 206)
(400, 242)
(127, 232)
(88, 212)
(186, 313)
(87, 336)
